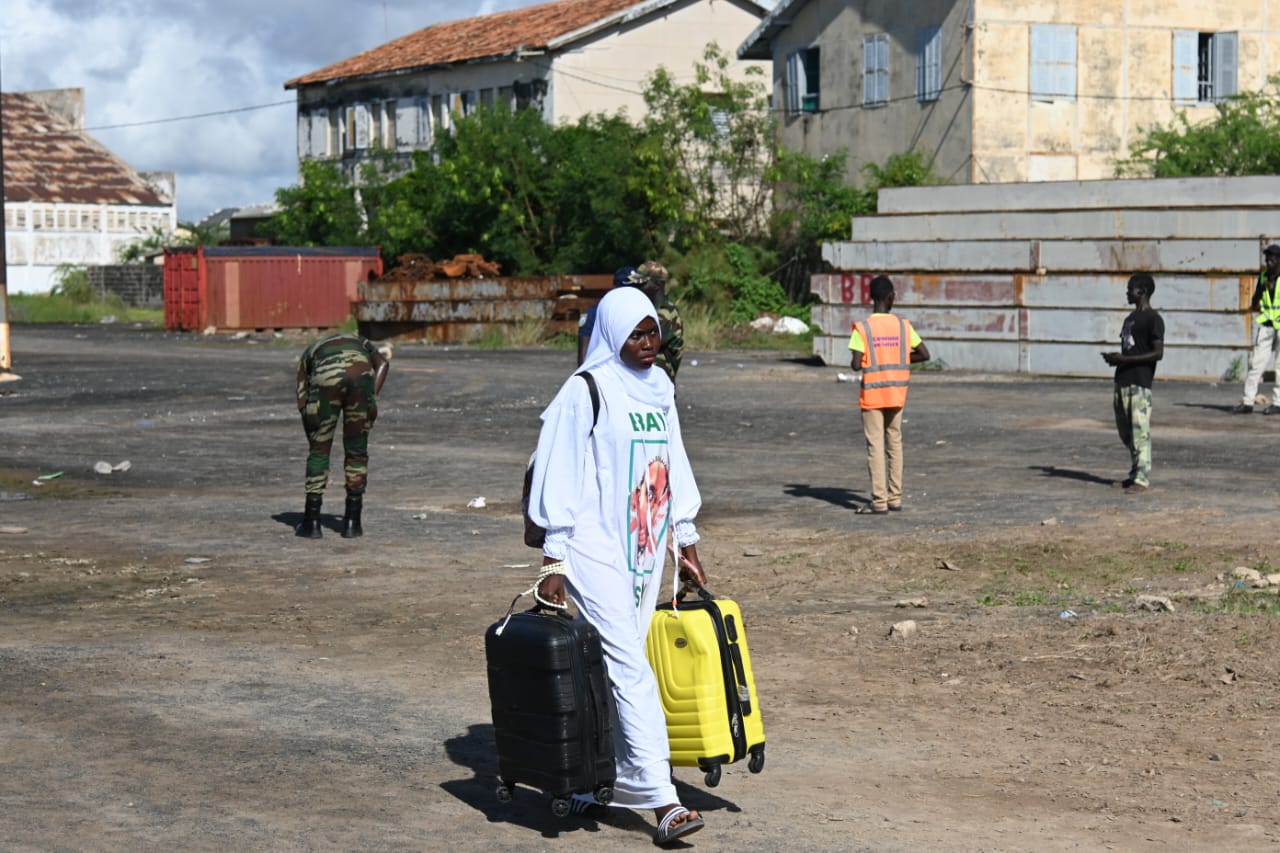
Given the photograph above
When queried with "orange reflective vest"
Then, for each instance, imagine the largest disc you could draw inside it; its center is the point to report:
(886, 362)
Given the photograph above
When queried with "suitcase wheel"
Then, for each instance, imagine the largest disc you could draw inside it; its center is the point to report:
(756, 763)
(713, 776)
(503, 793)
(560, 806)
(604, 795)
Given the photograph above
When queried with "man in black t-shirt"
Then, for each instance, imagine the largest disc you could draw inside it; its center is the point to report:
(1141, 346)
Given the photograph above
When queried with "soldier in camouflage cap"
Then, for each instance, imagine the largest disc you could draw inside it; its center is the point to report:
(339, 377)
(651, 277)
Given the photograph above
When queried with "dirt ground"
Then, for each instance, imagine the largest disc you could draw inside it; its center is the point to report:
(178, 671)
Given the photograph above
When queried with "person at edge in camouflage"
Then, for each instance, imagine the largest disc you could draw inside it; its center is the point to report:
(339, 377)
(650, 277)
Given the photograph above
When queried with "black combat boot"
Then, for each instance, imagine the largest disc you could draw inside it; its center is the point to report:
(351, 521)
(310, 524)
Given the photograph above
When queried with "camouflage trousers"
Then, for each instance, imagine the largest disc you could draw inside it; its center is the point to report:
(347, 396)
(1133, 420)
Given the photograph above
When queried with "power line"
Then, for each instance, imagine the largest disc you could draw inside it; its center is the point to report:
(192, 116)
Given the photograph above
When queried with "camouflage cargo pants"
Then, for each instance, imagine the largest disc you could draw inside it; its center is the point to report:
(344, 393)
(1133, 421)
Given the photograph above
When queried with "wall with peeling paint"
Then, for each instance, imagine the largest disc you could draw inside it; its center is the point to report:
(986, 127)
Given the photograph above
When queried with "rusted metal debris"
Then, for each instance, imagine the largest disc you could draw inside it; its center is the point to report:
(418, 267)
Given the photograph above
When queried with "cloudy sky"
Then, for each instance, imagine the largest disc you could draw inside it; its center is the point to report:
(197, 86)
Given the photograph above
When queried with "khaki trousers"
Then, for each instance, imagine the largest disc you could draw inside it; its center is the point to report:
(883, 431)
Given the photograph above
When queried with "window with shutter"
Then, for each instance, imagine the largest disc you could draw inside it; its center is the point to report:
(875, 69)
(1205, 66)
(1053, 62)
(407, 127)
(928, 63)
(804, 72)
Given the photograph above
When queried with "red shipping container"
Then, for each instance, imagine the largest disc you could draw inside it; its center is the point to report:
(264, 287)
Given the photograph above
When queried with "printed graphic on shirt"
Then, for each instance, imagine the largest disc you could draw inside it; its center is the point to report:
(1127, 343)
(650, 506)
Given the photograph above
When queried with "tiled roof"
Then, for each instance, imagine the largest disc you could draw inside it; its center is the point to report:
(47, 159)
(485, 37)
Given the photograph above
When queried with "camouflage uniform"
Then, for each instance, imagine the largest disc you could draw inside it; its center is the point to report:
(672, 338)
(336, 379)
(649, 276)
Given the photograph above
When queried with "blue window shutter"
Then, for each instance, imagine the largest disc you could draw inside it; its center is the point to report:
(1225, 65)
(928, 63)
(868, 69)
(875, 69)
(1065, 62)
(1053, 62)
(1186, 46)
(1041, 79)
(793, 82)
(883, 69)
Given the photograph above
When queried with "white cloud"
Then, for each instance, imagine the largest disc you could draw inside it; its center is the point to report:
(142, 61)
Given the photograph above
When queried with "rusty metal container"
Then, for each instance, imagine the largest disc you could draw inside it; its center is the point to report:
(264, 287)
(461, 310)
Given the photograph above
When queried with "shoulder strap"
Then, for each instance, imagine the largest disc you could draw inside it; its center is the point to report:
(594, 390)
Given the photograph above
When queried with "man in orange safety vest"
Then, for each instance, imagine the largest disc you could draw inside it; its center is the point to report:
(886, 369)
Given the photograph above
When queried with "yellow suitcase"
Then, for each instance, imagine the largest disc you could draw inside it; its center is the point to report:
(698, 651)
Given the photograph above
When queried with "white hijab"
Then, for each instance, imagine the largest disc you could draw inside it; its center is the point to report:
(619, 312)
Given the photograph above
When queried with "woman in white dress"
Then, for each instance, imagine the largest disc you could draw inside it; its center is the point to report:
(610, 488)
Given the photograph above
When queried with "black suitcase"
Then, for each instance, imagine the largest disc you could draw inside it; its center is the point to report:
(553, 709)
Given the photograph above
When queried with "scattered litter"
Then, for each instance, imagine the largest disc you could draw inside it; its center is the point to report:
(693, 363)
(518, 566)
(902, 630)
(940, 442)
(1229, 677)
(1068, 614)
(236, 398)
(197, 559)
(1049, 522)
(1155, 602)
(790, 326)
(753, 552)
(13, 530)
(947, 565)
(102, 467)
(420, 515)
(55, 475)
(108, 319)
(476, 503)
(845, 377)
(122, 466)
(739, 365)
(912, 602)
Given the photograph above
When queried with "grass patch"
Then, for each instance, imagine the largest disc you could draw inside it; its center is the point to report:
(42, 308)
(1240, 601)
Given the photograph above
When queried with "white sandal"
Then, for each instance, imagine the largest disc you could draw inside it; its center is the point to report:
(667, 833)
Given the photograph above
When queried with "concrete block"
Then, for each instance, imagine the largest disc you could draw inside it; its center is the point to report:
(1236, 192)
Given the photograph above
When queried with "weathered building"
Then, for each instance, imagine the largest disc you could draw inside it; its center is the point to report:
(67, 198)
(566, 59)
(997, 90)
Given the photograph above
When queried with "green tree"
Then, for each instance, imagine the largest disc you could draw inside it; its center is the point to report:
(1243, 138)
(707, 149)
(321, 210)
